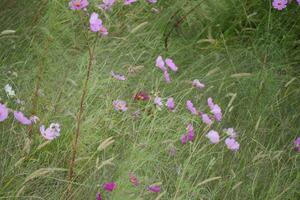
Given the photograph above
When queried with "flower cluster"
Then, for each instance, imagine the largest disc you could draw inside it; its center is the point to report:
(160, 63)
(282, 4)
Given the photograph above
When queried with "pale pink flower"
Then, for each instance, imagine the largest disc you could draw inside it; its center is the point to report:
(191, 133)
(206, 119)
(3, 112)
(133, 179)
(279, 4)
(128, 2)
(214, 109)
(78, 4)
(95, 22)
(191, 108)
(232, 144)
(297, 144)
(52, 132)
(107, 4)
(118, 76)
(120, 105)
(171, 104)
(197, 84)
(152, 1)
(158, 102)
(213, 136)
(19, 116)
(160, 63)
(167, 76)
(230, 132)
(171, 64)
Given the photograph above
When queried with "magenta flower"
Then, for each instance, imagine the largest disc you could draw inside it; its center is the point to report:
(171, 104)
(184, 139)
(279, 4)
(206, 119)
(95, 22)
(191, 108)
(230, 132)
(197, 84)
(78, 4)
(98, 196)
(120, 105)
(160, 63)
(118, 76)
(171, 64)
(109, 186)
(3, 112)
(128, 2)
(297, 144)
(19, 116)
(154, 1)
(154, 188)
(107, 4)
(52, 132)
(133, 180)
(158, 102)
(214, 109)
(191, 133)
(213, 136)
(167, 76)
(232, 144)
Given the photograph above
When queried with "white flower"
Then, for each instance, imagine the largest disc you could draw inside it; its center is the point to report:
(9, 91)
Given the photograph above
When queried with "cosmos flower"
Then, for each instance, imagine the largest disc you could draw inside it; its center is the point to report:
(118, 76)
(133, 179)
(230, 132)
(232, 144)
(120, 105)
(184, 139)
(141, 96)
(160, 63)
(78, 4)
(171, 103)
(197, 84)
(109, 186)
(52, 132)
(155, 1)
(3, 112)
(167, 76)
(158, 102)
(191, 133)
(96, 24)
(279, 4)
(213, 136)
(107, 4)
(128, 2)
(154, 188)
(171, 64)
(191, 108)
(206, 119)
(19, 116)
(9, 91)
(214, 109)
(98, 196)
(297, 144)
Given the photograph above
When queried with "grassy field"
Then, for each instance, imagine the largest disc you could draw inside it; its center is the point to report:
(246, 53)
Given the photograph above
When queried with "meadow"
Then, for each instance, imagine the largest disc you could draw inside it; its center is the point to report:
(57, 65)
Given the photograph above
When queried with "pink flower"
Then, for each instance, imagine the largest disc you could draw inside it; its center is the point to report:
(232, 144)
(213, 136)
(95, 22)
(107, 4)
(52, 132)
(158, 102)
(154, 1)
(184, 139)
(22, 118)
(298, 1)
(128, 2)
(197, 84)
(98, 196)
(297, 144)
(3, 112)
(160, 63)
(206, 119)
(279, 4)
(133, 180)
(230, 132)
(171, 104)
(109, 186)
(191, 108)
(120, 105)
(214, 109)
(118, 76)
(154, 188)
(171, 64)
(78, 4)
(167, 76)
(191, 133)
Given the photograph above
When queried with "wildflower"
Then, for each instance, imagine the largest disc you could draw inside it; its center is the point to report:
(158, 102)
(230, 132)
(213, 136)
(297, 144)
(171, 104)
(52, 132)
(128, 2)
(34, 119)
(298, 1)
(141, 96)
(9, 91)
(167, 76)
(160, 63)
(152, 1)
(133, 179)
(197, 84)
(184, 139)
(191, 133)
(120, 105)
(232, 144)
(109, 186)
(107, 4)
(118, 76)
(214, 109)
(3, 112)
(154, 188)
(206, 119)
(171, 64)
(22, 118)
(78, 4)
(279, 4)
(190, 107)
(98, 196)
(96, 24)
